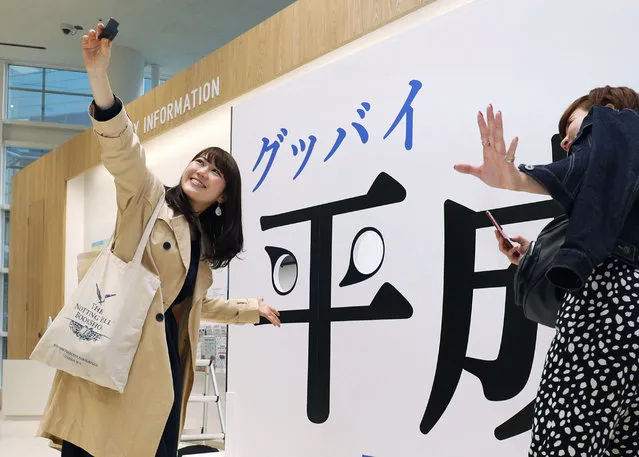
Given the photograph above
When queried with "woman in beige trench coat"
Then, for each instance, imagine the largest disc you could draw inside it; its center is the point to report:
(199, 227)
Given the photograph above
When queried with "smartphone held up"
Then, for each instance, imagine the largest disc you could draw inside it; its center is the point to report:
(505, 239)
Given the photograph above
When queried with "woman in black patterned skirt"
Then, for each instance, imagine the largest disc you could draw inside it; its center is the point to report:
(588, 402)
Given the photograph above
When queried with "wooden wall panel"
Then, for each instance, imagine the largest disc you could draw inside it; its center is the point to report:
(35, 271)
(297, 35)
(18, 281)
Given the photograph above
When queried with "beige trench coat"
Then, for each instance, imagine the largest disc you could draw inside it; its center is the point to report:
(104, 422)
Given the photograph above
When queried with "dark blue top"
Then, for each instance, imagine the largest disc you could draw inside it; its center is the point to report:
(191, 275)
(597, 186)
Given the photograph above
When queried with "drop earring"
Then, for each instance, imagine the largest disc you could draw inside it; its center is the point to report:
(218, 210)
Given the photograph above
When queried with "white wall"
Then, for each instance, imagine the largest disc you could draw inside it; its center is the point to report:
(74, 236)
(26, 387)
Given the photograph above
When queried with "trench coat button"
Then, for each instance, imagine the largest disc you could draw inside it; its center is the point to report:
(166, 245)
(159, 317)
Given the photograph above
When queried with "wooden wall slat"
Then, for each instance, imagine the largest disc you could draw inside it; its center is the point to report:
(295, 36)
(36, 263)
(18, 280)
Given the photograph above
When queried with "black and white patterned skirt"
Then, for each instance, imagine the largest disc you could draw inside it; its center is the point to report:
(588, 403)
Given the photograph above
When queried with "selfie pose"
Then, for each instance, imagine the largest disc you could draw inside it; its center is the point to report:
(198, 228)
(587, 404)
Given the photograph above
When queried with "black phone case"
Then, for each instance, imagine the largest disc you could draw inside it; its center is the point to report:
(110, 30)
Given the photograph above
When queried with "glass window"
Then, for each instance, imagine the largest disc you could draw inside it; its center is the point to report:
(3, 353)
(15, 159)
(67, 109)
(67, 81)
(24, 105)
(148, 82)
(5, 298)
(48, 95)
(5, 246)
(26, 77)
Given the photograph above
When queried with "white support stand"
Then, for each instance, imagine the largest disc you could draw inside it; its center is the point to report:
(206, 399)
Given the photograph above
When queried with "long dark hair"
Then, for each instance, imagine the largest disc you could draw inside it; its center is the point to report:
(222, 237)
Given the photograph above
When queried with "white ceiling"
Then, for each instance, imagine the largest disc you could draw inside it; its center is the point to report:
(171, 33)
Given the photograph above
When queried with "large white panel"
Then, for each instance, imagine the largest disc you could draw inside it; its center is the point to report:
(358, 379)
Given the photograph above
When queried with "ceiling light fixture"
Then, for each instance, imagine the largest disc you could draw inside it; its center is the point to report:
(70, 29)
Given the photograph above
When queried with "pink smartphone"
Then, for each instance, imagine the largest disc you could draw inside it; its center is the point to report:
(505, 237)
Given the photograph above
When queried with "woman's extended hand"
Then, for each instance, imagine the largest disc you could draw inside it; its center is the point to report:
(269, 313)
(95, 52)
(498, 169)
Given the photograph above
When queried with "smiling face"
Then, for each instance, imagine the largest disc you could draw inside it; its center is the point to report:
(210, 178)
(203, 183)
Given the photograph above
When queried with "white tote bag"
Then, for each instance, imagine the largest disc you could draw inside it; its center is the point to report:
(96, 335)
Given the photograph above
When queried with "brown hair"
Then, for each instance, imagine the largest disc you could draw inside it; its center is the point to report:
(620, 97)
(222, 235)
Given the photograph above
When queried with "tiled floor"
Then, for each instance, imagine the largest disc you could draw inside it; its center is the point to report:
(17, 439)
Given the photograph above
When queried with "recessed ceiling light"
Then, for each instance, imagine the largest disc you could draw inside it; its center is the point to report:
(70, 29)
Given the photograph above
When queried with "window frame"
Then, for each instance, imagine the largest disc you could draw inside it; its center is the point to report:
(4, 112)
(6, 207)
